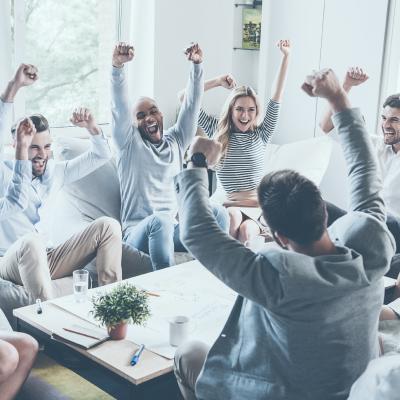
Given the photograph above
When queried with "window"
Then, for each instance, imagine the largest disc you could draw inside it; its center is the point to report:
(390, 83)
(70, 42)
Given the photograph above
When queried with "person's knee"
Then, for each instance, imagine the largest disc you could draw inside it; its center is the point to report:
(189, 356)
(235, 217)
(161, 222)
(248, 228)
(234, 213)
(387, 314)
(222, 216)
(9, 360)
(27, 346)
(33, 245)
(108, 223)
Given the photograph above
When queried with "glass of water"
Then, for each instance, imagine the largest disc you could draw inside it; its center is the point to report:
(81, 283)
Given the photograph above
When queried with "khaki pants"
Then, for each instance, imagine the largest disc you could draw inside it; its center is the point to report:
(28, 263)
(188, 363)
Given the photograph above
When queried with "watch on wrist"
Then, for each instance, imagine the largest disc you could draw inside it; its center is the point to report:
(199, 160)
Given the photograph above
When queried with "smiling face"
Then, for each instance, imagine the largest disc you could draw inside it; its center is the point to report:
(244, 113)
(149, 120)
(391, 126)
(39, 152)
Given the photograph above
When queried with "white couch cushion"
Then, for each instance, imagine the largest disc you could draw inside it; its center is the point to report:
(97, 194)
(308, 157)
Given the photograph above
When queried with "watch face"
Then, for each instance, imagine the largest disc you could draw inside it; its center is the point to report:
(199, 160)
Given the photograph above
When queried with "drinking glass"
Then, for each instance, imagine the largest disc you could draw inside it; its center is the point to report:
(81, 283)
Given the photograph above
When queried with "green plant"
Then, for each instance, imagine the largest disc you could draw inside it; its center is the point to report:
(124, 303)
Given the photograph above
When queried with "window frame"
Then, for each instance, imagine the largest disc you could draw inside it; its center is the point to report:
(9, 63)
(390, 77)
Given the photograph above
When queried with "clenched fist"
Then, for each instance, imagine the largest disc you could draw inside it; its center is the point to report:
(323, 83)
(227, 81)
(194, 53)
(123, 52)
(284, 47)
(25, 75)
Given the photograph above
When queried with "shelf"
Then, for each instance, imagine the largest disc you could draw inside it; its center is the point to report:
(242, 48)
(254, 4)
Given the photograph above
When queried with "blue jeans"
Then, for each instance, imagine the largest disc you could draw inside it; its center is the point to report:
(158, 236)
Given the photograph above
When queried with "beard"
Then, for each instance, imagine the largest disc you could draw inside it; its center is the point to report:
(38, 166)
(153, 137)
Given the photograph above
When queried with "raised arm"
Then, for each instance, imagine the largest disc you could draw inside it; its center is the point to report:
(25, 75)
(206, 121)
(365, 185)
(122, 119)
(186, 124)
(354, 76)
(17, 192)
(284, 47)
(267, 128)
(98, 154)
(247, 273)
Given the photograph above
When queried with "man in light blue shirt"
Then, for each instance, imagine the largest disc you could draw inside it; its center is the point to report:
(26, 258)
(148, 158)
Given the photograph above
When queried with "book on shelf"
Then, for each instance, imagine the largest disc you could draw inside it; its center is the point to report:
(251, 32)
(80, 335)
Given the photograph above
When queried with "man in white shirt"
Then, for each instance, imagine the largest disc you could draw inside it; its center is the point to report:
(387, 151)
(25, 257)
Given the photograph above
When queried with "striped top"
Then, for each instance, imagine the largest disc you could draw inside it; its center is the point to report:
(242, 167)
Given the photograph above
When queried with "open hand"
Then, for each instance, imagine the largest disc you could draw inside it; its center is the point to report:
(194, 53)
(83, 118)
(227, 81)
(284, 47)
(123, 52)
(354, 76)
(210, 148)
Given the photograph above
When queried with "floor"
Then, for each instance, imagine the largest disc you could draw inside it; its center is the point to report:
(50, 380)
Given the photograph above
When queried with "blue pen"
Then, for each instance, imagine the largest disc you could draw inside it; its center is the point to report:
(135, 358)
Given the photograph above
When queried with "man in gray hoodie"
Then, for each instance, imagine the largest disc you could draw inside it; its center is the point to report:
(305, 323)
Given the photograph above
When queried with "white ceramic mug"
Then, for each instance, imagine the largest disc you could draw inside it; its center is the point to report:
(178, 330)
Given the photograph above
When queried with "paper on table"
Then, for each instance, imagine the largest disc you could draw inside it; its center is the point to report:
(187, 289)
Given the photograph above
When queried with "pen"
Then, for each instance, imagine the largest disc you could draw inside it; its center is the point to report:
(135, 358)
(152, 293)
(81, 333)
(39, 309)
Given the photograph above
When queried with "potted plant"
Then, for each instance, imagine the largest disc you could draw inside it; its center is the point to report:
(122, 305)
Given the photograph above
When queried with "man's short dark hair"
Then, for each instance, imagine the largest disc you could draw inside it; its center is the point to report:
(292, 205)
(392, 101)
(40, 122)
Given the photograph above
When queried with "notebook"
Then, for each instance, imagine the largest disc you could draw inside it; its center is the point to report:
(80, 335)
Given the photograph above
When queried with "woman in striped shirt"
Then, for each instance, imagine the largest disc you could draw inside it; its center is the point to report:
(244, 138)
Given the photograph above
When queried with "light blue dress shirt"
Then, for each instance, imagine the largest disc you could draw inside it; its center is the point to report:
(23, 205)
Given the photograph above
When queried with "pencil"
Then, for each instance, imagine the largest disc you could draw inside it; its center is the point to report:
(81, 333)
(152, 293)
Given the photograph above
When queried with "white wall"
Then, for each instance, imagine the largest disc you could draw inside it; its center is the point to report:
(353, 37)
(5, 42)
(324, 33)
(177, 23)
(143, 37)
(301, 22)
